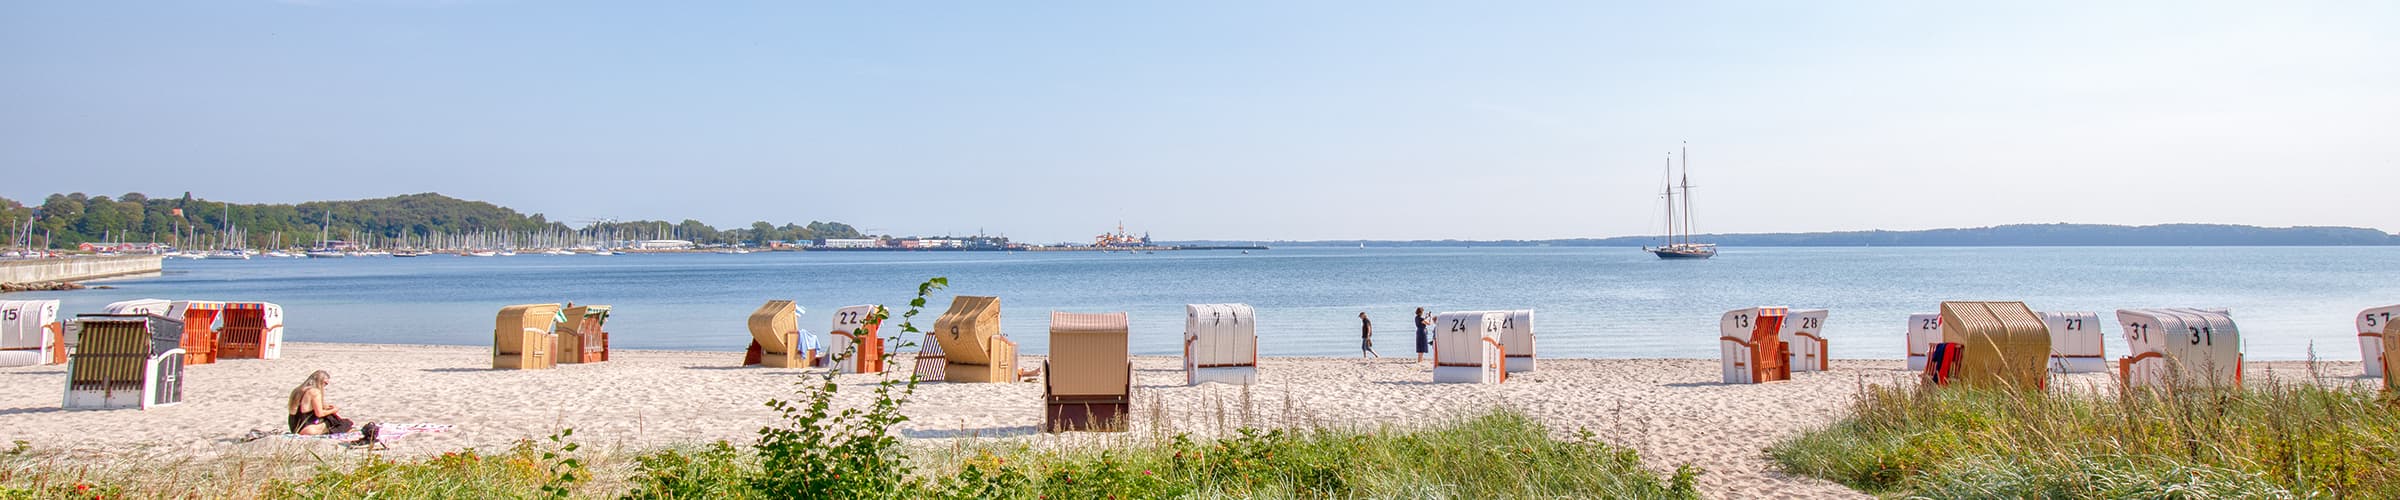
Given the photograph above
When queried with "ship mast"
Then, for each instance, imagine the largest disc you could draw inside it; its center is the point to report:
(1670, 202)
(1687, 193)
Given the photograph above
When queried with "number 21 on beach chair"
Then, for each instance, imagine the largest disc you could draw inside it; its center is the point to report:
(1752, 346)
(1516, 339)
(2372, 323)
(30, 333)
(1466, 348)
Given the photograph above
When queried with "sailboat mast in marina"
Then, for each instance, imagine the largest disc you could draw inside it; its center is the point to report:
(1682, 248)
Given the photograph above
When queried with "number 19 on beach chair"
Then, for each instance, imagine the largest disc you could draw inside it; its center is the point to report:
(253, 330)
(1466, 348)
(581, 338)
(775, 337)
(856, 348)
(125, 361)
(30, 333)
(1220, 344)
(972, 346)
(522, 337)
(2076, 345)
(2371, 325)
(1087, 384)
(2181, 348)
(1752, 347)
(1804, 332)
(2005, 344)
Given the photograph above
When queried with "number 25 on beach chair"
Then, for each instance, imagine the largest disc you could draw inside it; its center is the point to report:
(972, 345)
(1220, 344)
(1466, 348)
(1752, 347)
(30, 333)
(2372, 323)
(1804, 332)
(522, 339)
(2180, 348)
(855, 346)
(2001, 344)
(1087, 384)
(125, 361)
(1924, 330)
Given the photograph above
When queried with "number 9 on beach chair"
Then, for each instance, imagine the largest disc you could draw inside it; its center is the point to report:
(775, 337)
(2372, 324)
(582, 337)
(1466, 348)
(2004, 344)
(1087, 384)
(2180, 347)
(1220, 344)
(855, 347)
(1924, 330)
(2076, 345)
(30, 333)
(125, 361)
(522, 338)
(253, 330)
(1751, 346)
(1804, 333)
(973, 348)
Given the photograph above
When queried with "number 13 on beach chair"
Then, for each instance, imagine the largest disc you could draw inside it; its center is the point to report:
(1751, 342)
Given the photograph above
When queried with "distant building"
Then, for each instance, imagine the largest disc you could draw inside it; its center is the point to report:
(663, 245)
(122, 247)
(851, 243)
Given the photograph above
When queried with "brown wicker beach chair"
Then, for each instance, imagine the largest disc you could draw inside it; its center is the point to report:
(972, 344)
(125, 361)
(521, 337)
(2005, 344)
(1088, 380)
(775, 337)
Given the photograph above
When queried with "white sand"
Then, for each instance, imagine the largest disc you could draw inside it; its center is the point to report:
(1672, 411)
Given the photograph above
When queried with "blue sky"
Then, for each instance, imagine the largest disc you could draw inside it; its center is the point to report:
(1250, 120)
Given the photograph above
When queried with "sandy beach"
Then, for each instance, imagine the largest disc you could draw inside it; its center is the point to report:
(1672, 411)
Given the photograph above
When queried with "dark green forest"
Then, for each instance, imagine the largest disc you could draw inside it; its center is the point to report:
(75, 218)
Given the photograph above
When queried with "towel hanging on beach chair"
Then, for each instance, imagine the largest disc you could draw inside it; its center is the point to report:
(1942, 360)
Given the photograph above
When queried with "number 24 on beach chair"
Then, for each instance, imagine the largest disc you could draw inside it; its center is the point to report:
(1467, 348)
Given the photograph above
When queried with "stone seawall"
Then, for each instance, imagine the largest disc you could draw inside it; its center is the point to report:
(77, 269)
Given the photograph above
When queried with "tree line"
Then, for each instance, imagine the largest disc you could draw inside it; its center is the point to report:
(68, 220)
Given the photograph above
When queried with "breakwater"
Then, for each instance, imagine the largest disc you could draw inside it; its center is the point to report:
(77, 268)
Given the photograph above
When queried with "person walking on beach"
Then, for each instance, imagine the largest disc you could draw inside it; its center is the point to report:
(1366, 337)
(1424, 341)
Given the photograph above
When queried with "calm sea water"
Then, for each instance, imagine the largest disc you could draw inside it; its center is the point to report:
(1590, 302)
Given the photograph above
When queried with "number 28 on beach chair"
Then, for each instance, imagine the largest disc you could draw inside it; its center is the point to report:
(1924, 330)
(2180, 348)
(253, 330)
(855, 346)
(1087, 384)
(775, 337)
(581, 338)
(1220, 344)
(2076, 345)
(125, 361)
(2004, 344)
(1804, 332)
(1466, 348)
(1751, 344)
(522, 337)
(2372, 324)
(973, 348)
(30, 333)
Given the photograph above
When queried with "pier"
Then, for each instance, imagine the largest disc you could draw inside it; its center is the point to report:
(77, 268)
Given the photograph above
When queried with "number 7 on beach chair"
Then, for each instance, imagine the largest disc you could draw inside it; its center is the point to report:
(1467, 348)
(1087, 384)
(1751, 344)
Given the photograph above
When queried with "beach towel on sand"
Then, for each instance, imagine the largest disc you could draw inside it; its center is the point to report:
(390, 432)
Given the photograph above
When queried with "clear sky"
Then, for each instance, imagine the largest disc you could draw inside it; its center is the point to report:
(1050, 121)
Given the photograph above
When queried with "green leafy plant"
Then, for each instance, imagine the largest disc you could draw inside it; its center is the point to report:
(848, 453)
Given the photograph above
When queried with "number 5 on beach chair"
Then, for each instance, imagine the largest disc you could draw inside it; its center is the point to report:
(521, 337)
(1751, 346)
(1087, 384)
(125, 361)
(1467, 348)
(30, 333)
(972, 346)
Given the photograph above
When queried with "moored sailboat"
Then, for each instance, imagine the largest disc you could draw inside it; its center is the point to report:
(1683, 247)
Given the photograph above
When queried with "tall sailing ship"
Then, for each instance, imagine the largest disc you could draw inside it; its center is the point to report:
(1679, 245)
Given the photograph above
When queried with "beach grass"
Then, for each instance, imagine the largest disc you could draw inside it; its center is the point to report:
(2331, 438)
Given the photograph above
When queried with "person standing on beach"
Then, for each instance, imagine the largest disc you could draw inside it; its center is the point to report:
(1366, 337)
(1424, 323)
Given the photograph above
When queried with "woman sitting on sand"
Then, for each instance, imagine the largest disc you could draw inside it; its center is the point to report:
(310, 414)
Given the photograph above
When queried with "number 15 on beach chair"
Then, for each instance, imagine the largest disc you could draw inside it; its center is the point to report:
(1466, 348)
(1752, 347)
(30, 333)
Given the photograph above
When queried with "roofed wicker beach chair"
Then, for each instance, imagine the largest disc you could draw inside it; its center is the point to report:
(2391, 351)
(199, 319)
(1924, 330)
(125, 361)
(1220, 344)
(253, 330)
(972, 345)
(30, 333)
(1751, 347)
(2371, 325)
(775, 337)
(855, 346)
(1804, 331)
(582, 338)
(522, 337)
(2000, 344)
(1466, 348)
(2180, 348)
(1516, 338)
(156, 307)
(1087, 384)
(2076, 345)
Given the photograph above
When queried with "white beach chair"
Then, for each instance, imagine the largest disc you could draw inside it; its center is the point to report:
(2189, 347)
(154, 307)
(1516, 337)
(2076, 345)
(2371, 324)
(1467, 348)
(252, 330)
(1220, 344)
(1804, 331)
(30, 333)
(125, 361)
(1924, 330)
(1752, 346)
(847, 349)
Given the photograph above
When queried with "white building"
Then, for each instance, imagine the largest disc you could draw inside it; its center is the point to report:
(663, 245)
(852, 243)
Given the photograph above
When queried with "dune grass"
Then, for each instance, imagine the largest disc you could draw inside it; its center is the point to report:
(2268, 440)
